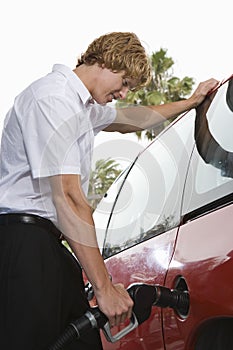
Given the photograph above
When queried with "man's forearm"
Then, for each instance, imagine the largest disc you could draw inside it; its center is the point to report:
(80, 234)
(172, 110)
(135, 118)
(92, 263)
(75, 220)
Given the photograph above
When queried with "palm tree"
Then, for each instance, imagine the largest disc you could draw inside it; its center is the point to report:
(163, 88)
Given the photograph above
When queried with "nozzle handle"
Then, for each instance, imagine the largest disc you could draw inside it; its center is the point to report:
(113, 338)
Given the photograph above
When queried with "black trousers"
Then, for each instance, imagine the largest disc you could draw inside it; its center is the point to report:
(41, 290)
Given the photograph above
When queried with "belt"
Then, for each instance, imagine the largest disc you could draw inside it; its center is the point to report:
(16, 218)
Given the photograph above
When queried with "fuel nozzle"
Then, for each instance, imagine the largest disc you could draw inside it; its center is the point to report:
(145, 296)
(173, 298)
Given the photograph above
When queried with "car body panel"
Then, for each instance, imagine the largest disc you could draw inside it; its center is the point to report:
(205, 268)
(146, 263)
(188, 244)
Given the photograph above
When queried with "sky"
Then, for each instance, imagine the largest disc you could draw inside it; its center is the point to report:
(36, 34)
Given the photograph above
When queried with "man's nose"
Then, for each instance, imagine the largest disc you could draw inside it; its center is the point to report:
(123, 92)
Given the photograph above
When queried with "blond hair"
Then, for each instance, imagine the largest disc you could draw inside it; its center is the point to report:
(120, 51)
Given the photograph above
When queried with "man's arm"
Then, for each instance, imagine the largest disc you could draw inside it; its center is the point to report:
(131, 119)
(76, 223)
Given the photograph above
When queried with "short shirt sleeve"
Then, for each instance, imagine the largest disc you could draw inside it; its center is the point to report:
(51, 128)
(101, 117)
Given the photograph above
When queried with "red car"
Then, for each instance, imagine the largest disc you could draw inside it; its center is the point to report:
(168, 221)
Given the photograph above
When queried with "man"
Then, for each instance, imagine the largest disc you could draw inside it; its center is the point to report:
(45, 162)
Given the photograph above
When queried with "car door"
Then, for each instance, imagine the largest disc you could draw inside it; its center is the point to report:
(142, 212)
(202, 262)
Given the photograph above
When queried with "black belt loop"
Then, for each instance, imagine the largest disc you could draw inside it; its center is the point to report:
(19, 218)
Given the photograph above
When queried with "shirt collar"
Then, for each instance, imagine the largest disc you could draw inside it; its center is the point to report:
(76, 83)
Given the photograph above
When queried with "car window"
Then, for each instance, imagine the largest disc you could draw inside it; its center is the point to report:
(210, 175)
(102, 213)
(149, 201)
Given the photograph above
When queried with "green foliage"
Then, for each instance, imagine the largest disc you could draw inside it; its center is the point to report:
(101, 178)
(163, 88)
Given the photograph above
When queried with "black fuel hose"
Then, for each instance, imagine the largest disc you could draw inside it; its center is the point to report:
(144, 297)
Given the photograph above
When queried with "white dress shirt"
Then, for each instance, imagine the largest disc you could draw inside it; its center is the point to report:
(49, 131)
